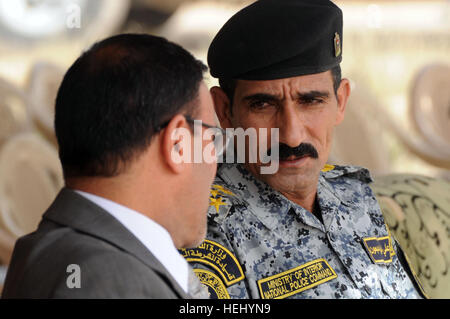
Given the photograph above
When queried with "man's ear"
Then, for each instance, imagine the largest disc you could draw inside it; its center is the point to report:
(343, 93)
(222, 106)
(176, 140)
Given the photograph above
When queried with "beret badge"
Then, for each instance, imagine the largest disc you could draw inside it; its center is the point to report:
(337, 44)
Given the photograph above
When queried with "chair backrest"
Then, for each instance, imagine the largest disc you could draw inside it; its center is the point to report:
(417, 211)
(359, 139)
(30, 178)
(6, 247)
(42, 88)
(14, 116)
(430, 105)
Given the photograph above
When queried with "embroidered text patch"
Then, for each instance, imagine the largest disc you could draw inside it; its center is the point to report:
(296, 280)
(379, 249)
(217, 257)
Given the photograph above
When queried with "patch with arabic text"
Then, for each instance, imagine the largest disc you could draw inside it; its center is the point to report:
(379, 249)
(219, 258)
(215, 285)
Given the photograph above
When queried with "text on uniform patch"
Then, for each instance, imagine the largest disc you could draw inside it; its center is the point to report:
(214, 284)
(217, 257)
(379, 249)
(296, 280)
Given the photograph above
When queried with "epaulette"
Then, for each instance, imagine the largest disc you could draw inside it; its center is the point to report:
(356, 172)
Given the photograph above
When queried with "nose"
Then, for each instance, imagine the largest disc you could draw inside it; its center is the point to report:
(292, 126)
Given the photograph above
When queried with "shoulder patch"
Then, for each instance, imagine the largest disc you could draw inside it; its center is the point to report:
(357, 172)
(379, 249)
(219, 258)
(296, 280)
(213, 283)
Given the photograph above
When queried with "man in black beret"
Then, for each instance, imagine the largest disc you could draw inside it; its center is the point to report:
(309, 230)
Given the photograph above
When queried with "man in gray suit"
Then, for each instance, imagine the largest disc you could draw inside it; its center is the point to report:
(129, 203)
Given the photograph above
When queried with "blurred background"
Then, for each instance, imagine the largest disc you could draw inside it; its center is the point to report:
(396, 54)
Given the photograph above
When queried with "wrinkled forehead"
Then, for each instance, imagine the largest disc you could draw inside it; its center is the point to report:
(299, 84)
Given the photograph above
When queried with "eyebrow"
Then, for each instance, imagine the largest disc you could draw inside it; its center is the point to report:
(303, 96)
(313, 95)
(261, 97)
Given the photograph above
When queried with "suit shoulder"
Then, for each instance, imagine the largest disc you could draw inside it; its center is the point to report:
(109, 274)
(45, 264)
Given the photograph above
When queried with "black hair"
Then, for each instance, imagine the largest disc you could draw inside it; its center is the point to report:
(115, 97)
(229, 85)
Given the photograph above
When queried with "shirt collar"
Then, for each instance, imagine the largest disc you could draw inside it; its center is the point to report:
(270, 206)
(152, 235)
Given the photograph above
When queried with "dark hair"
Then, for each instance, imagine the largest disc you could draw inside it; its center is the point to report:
(114, 98)
(229, 85)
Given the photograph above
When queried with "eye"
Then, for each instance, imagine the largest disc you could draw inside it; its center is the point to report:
(260, 105)
(312, 101)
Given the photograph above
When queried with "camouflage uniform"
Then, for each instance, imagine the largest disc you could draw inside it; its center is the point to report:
(262, 245)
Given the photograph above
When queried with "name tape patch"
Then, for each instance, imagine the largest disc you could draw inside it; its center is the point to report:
(296, 280)
(217, 257)
(379, 249)
(216, 288)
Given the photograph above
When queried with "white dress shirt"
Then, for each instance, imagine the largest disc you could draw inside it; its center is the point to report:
(156, 238)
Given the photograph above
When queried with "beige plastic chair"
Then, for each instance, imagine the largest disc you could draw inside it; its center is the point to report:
(67, 23)
(430, 108)
(30, 178)
(13, 110)
(417, 210)
(358, 140)
(43, 84)
(6, 247)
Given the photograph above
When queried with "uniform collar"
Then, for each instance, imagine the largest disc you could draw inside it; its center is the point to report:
(270, 206)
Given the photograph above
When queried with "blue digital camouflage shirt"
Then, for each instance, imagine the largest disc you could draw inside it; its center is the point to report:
(262, 245)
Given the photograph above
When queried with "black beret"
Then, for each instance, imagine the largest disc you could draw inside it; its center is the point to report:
(274, 39)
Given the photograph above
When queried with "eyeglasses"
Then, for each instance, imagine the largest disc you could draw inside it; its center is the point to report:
(219, 137)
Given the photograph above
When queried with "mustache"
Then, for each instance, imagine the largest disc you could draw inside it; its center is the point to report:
(304, 149)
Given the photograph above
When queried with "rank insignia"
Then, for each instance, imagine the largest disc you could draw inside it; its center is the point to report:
(217, 199)
(217, 202)
(217, 257)
(328, 168)
(296, 280)
(379, 249)
(217, 189)
(337, 44)
(215, 285)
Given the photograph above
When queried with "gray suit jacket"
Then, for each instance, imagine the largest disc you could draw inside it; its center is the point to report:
(113, 263)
